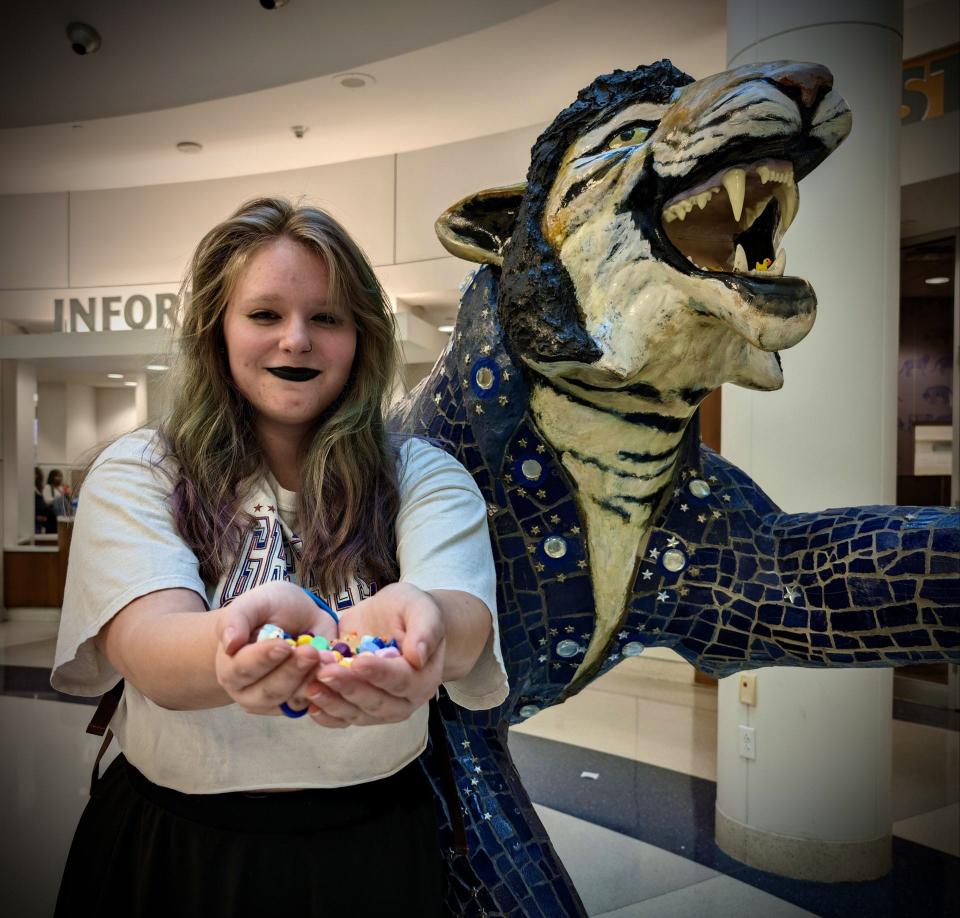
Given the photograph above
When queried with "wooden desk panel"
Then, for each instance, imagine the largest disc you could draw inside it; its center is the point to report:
(32, 578)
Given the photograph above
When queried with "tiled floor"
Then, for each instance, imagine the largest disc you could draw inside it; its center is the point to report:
(632, 855)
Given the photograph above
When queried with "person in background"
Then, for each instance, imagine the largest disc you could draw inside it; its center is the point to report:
(273, 474)
(45, 520)
(54, 486)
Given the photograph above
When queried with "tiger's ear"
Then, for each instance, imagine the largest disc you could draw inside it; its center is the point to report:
(478, 227)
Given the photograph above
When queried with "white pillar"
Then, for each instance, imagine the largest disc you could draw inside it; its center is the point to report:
(18, 400)
(815, 803)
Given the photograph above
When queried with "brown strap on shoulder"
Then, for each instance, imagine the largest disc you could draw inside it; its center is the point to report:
(441, 751)
(99, 726)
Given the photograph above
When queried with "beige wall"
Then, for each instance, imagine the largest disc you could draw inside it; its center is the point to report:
(144, 236)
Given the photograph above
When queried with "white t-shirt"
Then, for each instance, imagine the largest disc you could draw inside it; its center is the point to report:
(125, 545)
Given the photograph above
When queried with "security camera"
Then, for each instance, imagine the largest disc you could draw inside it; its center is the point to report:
(84, 39)
(272, 4)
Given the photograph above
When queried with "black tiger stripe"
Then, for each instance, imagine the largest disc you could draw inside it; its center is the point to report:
(693, 396)
(643, 390)
(577, 187)
(647, 457)
(665, 423)
(606, 505)
(646, 500)
(592, 460)
(723, 115)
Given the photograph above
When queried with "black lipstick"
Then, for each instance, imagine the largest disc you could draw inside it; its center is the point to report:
(294, 374)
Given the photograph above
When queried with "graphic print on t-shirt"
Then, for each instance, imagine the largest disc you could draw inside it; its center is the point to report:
(261, 557)
(270, 553)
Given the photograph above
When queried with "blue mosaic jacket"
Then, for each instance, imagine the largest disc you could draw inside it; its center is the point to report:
(727, 580)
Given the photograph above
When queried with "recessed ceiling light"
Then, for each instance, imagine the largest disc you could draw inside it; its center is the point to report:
(189, 146)
(131, 382)
(114, 375)
(157, 366)
(937, 280)
(354, 80)
(446, 329)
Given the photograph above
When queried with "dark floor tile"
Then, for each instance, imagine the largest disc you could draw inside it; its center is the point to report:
(675, 812)
(34, 682)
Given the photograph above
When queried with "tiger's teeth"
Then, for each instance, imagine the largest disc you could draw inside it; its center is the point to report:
(788, 198)
(679, 210)
(735, 181)
(740, 260)
(779, 265)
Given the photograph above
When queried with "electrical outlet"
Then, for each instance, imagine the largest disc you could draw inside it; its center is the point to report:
(748, 688)
(748, 742)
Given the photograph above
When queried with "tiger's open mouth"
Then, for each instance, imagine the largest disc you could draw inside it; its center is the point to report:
(733, 222)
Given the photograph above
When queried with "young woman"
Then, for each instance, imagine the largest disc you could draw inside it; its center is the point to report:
(273, 473)
(54, 486)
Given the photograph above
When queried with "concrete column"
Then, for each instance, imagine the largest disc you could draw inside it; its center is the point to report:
(17, 412)
(815, 803)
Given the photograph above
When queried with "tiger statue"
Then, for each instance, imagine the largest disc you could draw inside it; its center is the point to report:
(637, 269)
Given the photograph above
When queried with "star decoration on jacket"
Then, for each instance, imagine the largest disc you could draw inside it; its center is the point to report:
(791, 593)
(672, 542)
(663, 596)
(654, 553)
(647, 574)
(258, 508)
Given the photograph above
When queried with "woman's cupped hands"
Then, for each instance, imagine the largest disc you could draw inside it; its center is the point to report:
(259, 676)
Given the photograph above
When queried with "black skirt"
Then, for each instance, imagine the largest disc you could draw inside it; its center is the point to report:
(143, 850)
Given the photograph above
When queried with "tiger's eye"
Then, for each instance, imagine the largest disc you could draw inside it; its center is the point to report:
(629, 136)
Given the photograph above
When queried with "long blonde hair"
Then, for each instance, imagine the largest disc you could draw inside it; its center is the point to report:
(348, 497)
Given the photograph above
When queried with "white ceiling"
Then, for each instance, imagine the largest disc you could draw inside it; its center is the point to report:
(159, 54)
(444, 72)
